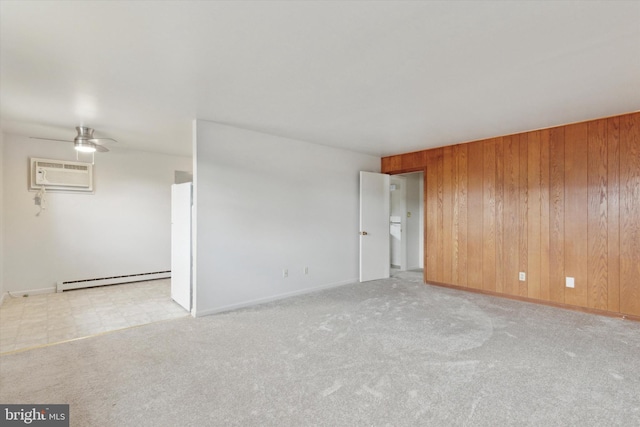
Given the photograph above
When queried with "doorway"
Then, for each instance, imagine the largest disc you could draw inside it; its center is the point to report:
(406, 225)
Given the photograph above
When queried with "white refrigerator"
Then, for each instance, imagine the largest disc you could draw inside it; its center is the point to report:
(181, 210)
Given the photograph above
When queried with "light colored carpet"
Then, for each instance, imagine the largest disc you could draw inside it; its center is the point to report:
(386, 353)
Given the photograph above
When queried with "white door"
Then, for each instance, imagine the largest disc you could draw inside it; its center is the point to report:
(374, 226)
(181, 244)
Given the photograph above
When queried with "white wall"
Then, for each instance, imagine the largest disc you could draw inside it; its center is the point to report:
(415, 224)
(265, 203)
(124, 228)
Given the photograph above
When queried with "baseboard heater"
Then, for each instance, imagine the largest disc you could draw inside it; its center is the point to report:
(114, 280)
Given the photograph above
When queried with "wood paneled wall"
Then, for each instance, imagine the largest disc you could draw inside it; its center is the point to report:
(553, 203)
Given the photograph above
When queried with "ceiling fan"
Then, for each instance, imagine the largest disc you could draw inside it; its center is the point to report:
(84, 141)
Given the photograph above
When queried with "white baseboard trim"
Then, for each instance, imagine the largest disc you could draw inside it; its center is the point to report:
(230, 307)
(90, 283)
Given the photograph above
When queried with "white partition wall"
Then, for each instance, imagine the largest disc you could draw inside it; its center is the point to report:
(267, 207)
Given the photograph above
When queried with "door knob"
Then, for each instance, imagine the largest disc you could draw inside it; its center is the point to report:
(363, 233)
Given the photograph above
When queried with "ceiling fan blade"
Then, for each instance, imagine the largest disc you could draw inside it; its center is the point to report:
(84, 139)
(51, 139)
(103, 140)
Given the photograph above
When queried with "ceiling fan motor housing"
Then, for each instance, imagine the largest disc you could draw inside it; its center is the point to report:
(83, 142)
(84, 133)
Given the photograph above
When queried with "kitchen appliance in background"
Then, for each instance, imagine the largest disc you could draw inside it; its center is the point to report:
(395, 231)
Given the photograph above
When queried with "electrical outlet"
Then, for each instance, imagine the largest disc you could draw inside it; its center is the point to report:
(570, 282)
(285, 273)
(306, 270)
(522, 276)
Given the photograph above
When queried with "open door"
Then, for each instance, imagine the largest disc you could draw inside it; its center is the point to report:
(374, 226)
(181, 244)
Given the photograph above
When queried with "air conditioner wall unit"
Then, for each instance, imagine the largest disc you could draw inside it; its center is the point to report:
(60, 175)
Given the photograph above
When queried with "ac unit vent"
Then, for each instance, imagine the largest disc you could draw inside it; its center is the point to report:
(58, 175)
(76, 167)
(51, 165)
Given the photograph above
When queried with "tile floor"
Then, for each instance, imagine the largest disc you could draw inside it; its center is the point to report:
(50, 318)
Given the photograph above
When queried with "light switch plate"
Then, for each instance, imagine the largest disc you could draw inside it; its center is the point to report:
(571, 282)
(522, 276)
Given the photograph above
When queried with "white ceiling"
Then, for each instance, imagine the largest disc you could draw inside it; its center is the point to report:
(380, 77)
